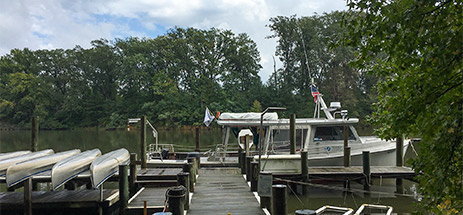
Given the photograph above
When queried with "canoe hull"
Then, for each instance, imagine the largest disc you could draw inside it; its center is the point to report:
(4, 164)
(23, 170)
(70, 167)
(107, 165)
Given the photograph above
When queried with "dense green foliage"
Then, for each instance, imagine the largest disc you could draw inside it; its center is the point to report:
(173, 77)
(418, 47)
(170, 78)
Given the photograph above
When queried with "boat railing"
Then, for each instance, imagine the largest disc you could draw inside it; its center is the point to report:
(159, 151)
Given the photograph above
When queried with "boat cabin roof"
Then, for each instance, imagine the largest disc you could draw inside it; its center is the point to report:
(285, 122)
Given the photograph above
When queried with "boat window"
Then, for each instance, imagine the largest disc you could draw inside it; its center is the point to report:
(331, 133)
(281, 137)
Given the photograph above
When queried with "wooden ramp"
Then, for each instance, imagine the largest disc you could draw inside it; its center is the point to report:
(222, 191)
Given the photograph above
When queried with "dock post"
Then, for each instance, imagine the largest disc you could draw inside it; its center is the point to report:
(34, 133)
(176, 200)
(279, 199)
(183, 180)
(197, 138)
(143, 142)
(292, 134)
(346, 145)
(243, 162)
(28, 196)
(264, 188)
(248, 167)
(187, 168)
(347, 157)
(254, 175)
(133, 173)
(304, 170)
(399, 151)
(193, 169)
(366, 167)
(246, 144)
(123, 188)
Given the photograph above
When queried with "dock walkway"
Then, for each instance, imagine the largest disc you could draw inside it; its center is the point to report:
(222, 191)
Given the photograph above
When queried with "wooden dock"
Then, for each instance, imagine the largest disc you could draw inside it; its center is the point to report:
(222, 191)
(154, 197)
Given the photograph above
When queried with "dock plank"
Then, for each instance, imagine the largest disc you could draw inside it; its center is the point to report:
(222, 191)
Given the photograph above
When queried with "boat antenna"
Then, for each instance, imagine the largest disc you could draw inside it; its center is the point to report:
(299, 30)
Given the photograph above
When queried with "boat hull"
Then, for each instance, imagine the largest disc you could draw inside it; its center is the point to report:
(4, 156)
(107, 165)
(70, 167)
(4, 164)
(292, 164)
(23, 170)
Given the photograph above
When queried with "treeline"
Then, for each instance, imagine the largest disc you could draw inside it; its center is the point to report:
(173, 77)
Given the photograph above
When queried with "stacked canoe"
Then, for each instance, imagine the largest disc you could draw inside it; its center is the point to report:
(63, 166)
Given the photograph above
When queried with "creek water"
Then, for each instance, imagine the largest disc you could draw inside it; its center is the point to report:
(383, 190)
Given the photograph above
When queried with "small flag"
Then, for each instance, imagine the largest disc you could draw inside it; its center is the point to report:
(315, 93)
(208, 117)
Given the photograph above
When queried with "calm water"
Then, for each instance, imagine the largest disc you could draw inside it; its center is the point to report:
(184, 140)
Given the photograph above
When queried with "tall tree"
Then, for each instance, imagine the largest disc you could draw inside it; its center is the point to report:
(420, 71)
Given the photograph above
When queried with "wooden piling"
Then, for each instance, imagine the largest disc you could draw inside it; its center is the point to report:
(264, 188)
(28, 196)
(193, 170)
(34, 133)
(248, 167)
(347, 157)
(176, 200)
(143, 142)
(366, 167)
(187, 168)
(123, 188)
(242, 156)
(133, 173)
(246, 144)
(197, 138)
(292, 134)
(304, 170)
(399, 185)
(254, 175)
(279, 199)
(346, 147)
(399, 151)
(183, 180)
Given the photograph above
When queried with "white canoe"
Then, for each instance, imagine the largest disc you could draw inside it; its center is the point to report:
(4, 164)
(70, 167)
(107, 165)
(23, 170)
(4, 156)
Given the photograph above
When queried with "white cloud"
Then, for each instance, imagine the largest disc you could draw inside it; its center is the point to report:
(38, 24)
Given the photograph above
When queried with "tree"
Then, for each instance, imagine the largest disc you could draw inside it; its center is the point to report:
(306, 46)
(415, 49)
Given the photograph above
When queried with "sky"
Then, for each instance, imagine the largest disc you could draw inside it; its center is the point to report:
(51, 24)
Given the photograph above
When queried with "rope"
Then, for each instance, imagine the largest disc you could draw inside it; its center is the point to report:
(343, 189)
(297, 197)
(413, 147)
(380, 186)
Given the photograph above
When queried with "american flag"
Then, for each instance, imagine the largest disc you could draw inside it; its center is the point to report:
(315, 93)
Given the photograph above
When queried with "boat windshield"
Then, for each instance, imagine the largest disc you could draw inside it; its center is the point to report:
(330, 133)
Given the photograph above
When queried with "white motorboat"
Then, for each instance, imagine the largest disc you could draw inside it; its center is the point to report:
(70, 167)
(23, 170)
(4, 156)
(4, 164)
(107, 165)
(323, 138)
